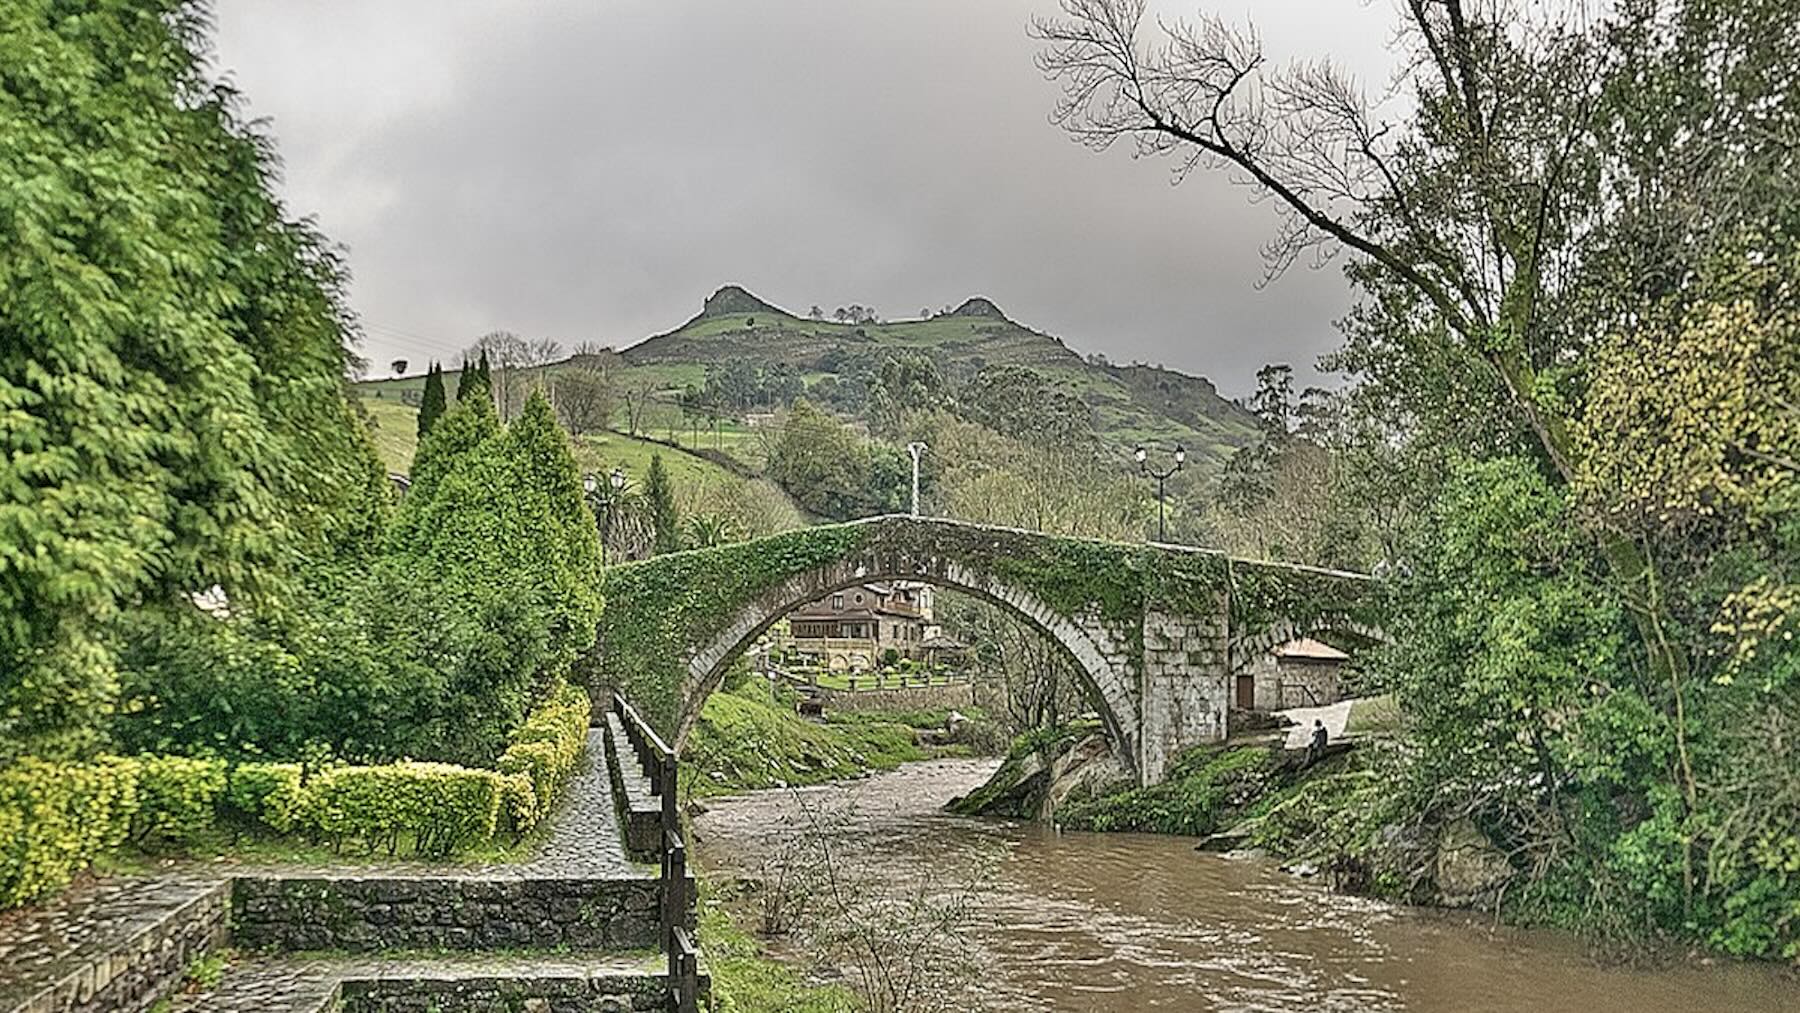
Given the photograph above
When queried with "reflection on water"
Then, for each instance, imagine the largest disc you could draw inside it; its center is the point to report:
(1121, 922)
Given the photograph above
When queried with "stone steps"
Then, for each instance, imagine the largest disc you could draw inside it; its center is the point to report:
(112, 945)
(405, 983)
(640, 811)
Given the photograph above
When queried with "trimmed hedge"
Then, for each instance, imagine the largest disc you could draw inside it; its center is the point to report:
(266, 794)
(177, 799)
(547, 750)
(440, 806)
(56, 818)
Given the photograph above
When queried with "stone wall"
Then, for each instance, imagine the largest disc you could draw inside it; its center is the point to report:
(956, 696)
(361, 914)
(131, 973)
(571, 994)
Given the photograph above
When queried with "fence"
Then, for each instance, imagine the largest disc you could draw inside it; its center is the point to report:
(659, 765)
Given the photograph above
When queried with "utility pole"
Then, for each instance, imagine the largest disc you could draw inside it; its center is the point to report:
(915, 449)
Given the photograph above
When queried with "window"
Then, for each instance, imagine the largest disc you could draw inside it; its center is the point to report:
(837, 601)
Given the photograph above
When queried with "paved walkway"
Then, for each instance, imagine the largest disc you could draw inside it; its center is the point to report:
(1336, 717)
(584, 838)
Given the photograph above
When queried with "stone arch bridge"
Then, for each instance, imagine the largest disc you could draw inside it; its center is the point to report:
(1156, 631)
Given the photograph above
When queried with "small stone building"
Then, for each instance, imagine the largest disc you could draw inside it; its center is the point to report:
(1299, 673)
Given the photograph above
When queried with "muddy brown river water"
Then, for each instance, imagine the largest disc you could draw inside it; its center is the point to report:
(1111, 923)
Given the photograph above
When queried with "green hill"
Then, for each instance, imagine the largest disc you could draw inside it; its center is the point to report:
(1130, 404)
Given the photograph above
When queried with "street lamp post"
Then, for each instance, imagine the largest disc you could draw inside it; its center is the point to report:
(603, 495)
(915, 449)
(1162, 479)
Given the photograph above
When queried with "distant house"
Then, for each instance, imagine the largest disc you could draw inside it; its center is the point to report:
(853, 629)
(1299, 673)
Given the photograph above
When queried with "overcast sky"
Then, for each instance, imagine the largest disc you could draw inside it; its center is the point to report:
(582, 170)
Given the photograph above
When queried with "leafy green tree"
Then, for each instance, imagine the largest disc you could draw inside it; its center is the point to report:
(433, 403)
(659, 493)
(1020, 402)
(171, 357)
(469, 424)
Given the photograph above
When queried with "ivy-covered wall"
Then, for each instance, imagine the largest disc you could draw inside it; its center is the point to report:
(670, 617)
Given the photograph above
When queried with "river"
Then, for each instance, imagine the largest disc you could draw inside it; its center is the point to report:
(1110, 923)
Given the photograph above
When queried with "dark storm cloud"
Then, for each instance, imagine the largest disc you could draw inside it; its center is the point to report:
(588, 171)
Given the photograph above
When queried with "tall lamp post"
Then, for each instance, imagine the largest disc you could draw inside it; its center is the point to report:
(603, 495)
(915, 449)
(1162, 479)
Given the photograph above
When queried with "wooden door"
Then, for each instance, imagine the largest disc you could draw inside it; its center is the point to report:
(1246, 692)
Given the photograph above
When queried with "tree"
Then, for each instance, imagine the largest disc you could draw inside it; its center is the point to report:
(434, 402)
(398, 366)
(1020, 402)
(636, 392)
(475, 381)
(1577, 255)
(841, 315)
(504, 531)
(516, 359)
(816, 313)
(1481, 276)
(172, 360)
(584, 397)
(1273, 402)
(660, 495)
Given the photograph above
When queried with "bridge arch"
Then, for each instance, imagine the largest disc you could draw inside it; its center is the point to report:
(1154, 630)
(1102, 664)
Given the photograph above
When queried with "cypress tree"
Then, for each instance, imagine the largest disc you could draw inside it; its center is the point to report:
(432, 405)
(661, 496)
(476, 377)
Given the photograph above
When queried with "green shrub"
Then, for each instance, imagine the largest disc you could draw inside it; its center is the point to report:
(177, 799)
(440, 807)
(55, 818)
(547, 748)
(518, 804)
(266, 794)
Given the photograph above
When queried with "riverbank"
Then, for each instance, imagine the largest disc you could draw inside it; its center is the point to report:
(1338, 816)
(1115, 922)
(750, 737)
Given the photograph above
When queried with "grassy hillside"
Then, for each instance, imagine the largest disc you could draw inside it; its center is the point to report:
(701, 485)
(1131, 404)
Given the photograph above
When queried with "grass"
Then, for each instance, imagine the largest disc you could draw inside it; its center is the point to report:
(745, 980)
(395, 430)
(1204, 792)
(1375, 715)
(744, 740)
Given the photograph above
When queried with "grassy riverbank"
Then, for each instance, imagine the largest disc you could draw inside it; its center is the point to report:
(747, 980)
(748, 739)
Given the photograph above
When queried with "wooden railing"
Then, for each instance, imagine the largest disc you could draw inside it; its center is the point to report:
(659, 765)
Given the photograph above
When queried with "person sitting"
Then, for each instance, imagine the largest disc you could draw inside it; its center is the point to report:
(1315, 750)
